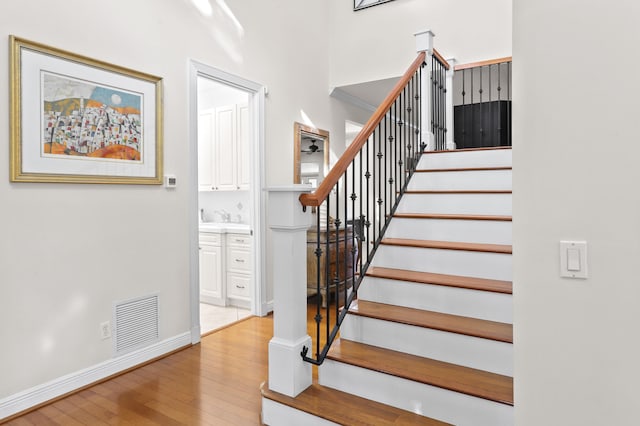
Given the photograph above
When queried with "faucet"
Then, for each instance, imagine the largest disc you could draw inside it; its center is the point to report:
(224, 215)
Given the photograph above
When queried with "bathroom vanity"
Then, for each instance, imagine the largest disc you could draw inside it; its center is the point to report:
(226, 264)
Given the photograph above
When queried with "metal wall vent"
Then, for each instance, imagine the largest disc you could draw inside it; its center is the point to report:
(135, 323)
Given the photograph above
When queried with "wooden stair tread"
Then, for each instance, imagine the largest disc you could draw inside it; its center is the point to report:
(347, 409)
(449, 245)
(453, 151)
(471, 283)
(459, 191)
(470, 381)
(464, 169)
(483, 329)
(452, 216)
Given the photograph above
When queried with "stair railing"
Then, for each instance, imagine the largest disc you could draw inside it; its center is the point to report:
(482, 103)
(355, 202)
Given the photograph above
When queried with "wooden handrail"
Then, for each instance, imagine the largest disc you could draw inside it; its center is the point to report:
(442, 60)
(482, 63)
(316, 198)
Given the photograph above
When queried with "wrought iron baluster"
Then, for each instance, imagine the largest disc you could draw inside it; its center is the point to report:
(481, 115)
(355, 226)
(414, 127)
(419, 103)
(473, 113)
(367, 222)
(385, 161)
(346, 238)
(491, 111)
(327, 270)
(336, 276)
(499, 89)
(380, 177)
(464, 110)
(318, 253)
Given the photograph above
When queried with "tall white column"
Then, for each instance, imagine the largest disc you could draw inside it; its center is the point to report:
(288, 373)
(424, 43)
(451, 144)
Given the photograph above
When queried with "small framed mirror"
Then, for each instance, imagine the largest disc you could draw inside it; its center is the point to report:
(310, 155)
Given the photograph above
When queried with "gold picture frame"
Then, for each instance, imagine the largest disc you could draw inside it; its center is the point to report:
(76, 119)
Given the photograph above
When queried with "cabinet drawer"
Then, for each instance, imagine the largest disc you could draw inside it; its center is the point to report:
(238, 259)
(239, 239)
(210, 238)
(238, 285)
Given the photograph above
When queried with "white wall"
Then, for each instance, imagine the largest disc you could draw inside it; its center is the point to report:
(378, 43)
(576, 174)
(68, 251)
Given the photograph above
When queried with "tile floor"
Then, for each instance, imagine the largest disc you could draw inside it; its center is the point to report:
(212, 317)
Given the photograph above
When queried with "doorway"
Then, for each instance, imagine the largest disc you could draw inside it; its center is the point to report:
(227, 267)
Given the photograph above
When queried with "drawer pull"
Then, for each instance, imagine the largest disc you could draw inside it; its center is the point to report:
(239, 286)
(240, 260)
(239, 241)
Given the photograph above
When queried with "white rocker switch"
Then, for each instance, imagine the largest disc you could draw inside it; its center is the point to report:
(573, 259)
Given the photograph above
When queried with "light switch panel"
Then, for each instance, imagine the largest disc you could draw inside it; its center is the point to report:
(573, 259)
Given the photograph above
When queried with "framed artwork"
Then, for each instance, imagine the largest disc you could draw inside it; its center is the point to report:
(77, 119)
(363, 4)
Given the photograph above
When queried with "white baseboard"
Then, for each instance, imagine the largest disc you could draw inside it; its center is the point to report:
(47, 391)
(267, 307)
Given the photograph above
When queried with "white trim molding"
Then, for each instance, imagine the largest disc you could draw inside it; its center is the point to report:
(343, 96)
(257, 94)
(62, 385)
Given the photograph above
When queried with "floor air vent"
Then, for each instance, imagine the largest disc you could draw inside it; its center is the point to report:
(135, 324)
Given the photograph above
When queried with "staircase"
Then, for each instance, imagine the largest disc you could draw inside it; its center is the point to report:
(429, 339)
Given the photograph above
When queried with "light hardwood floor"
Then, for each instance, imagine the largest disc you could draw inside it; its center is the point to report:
(214, 383)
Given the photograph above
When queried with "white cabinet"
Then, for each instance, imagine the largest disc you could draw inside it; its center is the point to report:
(226, 269)
(223, 148)
(211, 276)
(238, 270)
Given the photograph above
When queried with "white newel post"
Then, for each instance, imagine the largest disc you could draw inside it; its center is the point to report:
(424, 43)
(451, 144)
(288, 373)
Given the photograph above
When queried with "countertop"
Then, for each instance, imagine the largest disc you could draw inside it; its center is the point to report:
(224, 228)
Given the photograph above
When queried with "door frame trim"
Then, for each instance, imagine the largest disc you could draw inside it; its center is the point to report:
(257, 92)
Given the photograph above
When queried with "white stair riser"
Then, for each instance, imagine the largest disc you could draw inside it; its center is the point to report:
(431, 401)
(471, 231)
(485, 204)
(458, 159)
(478, 179)
(456, 262)
(276, 414)
(468, 351)
(450, 300)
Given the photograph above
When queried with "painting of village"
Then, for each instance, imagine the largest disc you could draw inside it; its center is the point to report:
(84, 119)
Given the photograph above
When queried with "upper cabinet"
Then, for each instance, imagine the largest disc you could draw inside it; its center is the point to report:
(223, 149)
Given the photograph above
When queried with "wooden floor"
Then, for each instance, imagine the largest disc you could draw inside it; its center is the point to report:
(214, 383)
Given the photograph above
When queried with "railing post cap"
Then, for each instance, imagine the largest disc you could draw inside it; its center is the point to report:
(425, 32)
(284, 208)
(424, 41)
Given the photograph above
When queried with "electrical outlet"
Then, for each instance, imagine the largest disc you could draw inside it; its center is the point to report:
(105, 330)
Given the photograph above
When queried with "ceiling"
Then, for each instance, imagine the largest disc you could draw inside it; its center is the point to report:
(371, 92)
